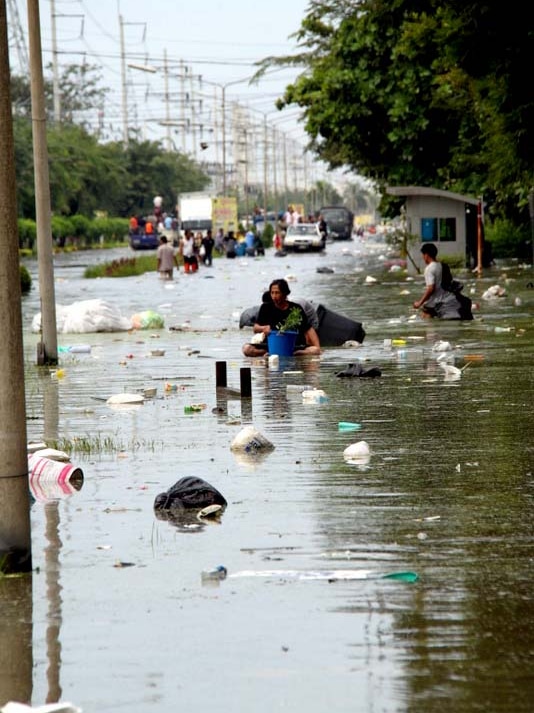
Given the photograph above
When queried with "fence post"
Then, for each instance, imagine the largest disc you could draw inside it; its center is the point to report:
(220, 374)
(245, 382)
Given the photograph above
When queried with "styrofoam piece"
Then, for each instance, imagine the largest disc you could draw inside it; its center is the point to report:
(125, 398)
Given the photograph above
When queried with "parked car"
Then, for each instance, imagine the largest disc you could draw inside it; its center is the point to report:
(304, 236)
(144, 241)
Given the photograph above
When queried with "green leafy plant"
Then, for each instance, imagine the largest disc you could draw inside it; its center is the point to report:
(25, 279)
(291, 322)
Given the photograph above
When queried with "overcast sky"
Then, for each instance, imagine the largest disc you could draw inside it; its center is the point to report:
(220, 40)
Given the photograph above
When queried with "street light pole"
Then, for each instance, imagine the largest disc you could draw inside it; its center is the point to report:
(223, 123)
(223, 127)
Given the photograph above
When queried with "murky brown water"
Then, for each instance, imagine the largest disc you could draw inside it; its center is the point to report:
(447, 492)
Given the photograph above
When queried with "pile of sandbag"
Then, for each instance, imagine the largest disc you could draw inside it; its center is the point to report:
(97, 316)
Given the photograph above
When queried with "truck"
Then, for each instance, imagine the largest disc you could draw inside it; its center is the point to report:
(195, 211)
(339, 222)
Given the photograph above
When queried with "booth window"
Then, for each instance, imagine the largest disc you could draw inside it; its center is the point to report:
(438, 230)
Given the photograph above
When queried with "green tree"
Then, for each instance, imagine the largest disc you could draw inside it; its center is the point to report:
(80, 92)
(405, 92)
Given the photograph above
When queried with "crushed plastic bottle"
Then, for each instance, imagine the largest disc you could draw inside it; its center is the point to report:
(194, 408)
(216, 574)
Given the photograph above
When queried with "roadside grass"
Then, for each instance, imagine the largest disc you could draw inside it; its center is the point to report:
(125, 267)
(87, 445)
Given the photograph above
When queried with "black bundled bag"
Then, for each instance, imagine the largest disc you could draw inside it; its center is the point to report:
(189, 493)
(334, 329)
(449, 283)
(358, 370)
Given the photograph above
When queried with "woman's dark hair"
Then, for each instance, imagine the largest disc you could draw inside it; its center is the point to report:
(282, 286)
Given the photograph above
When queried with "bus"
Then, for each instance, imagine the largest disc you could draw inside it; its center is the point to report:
(339, 222)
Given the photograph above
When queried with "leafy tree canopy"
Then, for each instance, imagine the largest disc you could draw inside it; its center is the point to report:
(432, 93)
(88, 176)
(80, 92)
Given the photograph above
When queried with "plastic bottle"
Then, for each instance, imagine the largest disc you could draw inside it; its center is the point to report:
(215, 574)
(348, 426)
(80, 349)
(194, 408)
(297, 388)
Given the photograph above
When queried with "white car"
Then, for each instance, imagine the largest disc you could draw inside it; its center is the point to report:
(304, 236)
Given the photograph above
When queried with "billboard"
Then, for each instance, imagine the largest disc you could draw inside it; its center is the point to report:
(224, 214)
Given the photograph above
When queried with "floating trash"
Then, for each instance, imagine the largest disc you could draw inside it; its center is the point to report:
(125, 399)
(314, 396)
(194, 408)
(250, 440)
(441, 346)
(348, 426)
(357, 450)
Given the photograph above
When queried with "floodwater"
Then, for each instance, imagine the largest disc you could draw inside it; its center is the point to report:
(447, 492)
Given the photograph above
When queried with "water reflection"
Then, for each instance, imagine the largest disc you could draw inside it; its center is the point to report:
(447, 493)
(16, 631)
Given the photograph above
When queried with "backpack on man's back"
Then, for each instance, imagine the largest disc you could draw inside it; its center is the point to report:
(455, 286)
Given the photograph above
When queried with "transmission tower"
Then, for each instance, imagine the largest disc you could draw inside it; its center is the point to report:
(17, 37)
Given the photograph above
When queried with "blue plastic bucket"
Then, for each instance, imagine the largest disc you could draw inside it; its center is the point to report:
(281, 343)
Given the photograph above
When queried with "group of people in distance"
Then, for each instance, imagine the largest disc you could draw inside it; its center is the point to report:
(437, 300)
(191, 247)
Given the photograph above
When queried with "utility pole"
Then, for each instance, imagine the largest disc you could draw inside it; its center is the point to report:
(124, 86)
(167, 101)
(265, 166)
(480, 238)
(15, 529)
(274, 159)
(47, 349)
(183, 71)
(55, 68)
(286, 185)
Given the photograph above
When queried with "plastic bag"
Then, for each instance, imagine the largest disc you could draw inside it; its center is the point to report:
(147, 320)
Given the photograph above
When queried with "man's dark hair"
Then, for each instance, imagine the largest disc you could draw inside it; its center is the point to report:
(429, 249)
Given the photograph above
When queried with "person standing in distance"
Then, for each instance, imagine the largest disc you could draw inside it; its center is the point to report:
(166, 259)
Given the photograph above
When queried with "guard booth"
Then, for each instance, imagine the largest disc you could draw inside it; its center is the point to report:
(447, 219)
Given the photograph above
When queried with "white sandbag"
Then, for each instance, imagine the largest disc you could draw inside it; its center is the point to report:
(87, 316)
(250, 440)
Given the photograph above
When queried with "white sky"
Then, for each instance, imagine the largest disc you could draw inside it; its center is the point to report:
(220, 40)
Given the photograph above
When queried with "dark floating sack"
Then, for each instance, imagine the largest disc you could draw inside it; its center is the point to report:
(248, 317)
(334, 329)
(358, 370)
(189, 493)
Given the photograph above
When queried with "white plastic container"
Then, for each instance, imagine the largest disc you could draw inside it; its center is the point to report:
(274, 361)
(41, 468)
(314, 396)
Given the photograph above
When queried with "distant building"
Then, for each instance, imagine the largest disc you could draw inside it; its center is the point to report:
(447, 219)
